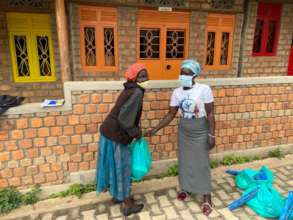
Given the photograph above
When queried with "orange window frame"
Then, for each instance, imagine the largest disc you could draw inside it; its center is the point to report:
(219, 24)
(98, 18)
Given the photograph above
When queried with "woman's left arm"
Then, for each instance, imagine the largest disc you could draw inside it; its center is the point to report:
(209, 107)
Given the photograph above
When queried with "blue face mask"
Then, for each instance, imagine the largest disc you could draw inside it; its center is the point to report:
(185, 81)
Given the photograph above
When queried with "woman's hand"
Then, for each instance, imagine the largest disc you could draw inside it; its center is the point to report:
(150, 132)
(211, 141)
(138, 135)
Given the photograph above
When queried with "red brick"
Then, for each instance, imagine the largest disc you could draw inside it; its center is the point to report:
(72, 149)
(78, 109)
(21, 123)
(96, 118)
(80, 129)
(96, 98)
(58, 150)
(46, 151)
(75, 158)
(85, 119)
(82, 149)
(88, 156)
(76, 139)
(32, 170)
(84, 98)
(4, 156)
(27, 180)
(61, 120)
(107, 98)
(91, 108)
(56, 166)
(20, 171)
(36, 122)
(17, 155)
(3, 183)
(51, 141)
(39, 142)
(56, 131)
(84, 165)
(30, 133)
(63, 140)
(92, 147)
(73, 120)
(49, 121)
(72, 167)
(14, 181)
(51, 177)
(103, 108)
(11, 145)
(68, 130)
(93, 164)
(39, 178)
(32, 153)
(43, 132)
(91, 128)
(7, 173)
(44, 168)
(25, 143)
(17, 134)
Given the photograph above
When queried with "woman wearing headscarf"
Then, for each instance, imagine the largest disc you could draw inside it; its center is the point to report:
(196, 133)
(118, 130)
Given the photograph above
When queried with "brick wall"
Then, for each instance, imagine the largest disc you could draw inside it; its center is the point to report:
(270, 65)
(45, 147)
(34, 92)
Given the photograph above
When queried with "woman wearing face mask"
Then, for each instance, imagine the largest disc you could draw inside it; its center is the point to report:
(196, 133)
(118, 130)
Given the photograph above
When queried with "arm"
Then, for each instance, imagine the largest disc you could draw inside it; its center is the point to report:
(164, 122)
(209, 107)
(128, 114)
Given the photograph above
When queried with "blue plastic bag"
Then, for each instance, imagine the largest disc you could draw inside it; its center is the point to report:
(141, 159)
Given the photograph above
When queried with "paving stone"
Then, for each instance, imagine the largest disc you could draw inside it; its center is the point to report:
(64, 217)
(47, 216)
(89, 215)
(193, 206)
(74, 213)
(179, 204)
(235, 195)
(227, 187)
(144, 215)
(170, 213)
(164, 202)
(201, 216)
(104, 216)
(172, 193)
(160, 217)
(223, 195)
(150, 198)
(101, 208)
(185, 214)
(217, 202)
(214, 214)
(155, 209)
(284, 171)
(115, 211)
(137, 197)
(227, 214)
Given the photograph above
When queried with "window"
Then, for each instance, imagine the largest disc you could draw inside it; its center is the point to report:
(219, 35)
(98, 39)
(30, 41)
(266, 29)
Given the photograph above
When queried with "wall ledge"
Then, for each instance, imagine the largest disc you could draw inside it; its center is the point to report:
(72, 86)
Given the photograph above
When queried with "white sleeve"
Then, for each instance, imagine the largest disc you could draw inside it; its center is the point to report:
(174, 100)
(208, 95)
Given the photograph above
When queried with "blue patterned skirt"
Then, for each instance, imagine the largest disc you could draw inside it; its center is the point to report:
(114, 169)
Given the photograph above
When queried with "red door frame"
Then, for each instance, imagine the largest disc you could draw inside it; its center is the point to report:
(290, 65)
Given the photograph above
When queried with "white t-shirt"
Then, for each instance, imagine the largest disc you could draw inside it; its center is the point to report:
(191, 102)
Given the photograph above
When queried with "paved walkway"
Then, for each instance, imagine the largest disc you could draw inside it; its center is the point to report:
(162, 204)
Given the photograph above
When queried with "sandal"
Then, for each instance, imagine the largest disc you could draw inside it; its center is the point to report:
(132, 210)
(206, 208)
(182, 196)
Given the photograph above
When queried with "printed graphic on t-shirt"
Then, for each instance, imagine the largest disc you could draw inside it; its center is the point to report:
(188, 108)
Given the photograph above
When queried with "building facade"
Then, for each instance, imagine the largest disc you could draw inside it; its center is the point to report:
(230, 38)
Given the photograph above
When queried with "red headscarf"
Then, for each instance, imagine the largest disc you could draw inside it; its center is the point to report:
(133, 70)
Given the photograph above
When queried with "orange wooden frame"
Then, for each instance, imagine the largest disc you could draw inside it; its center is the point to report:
(219, 23)
(164, 21)
(98, 18)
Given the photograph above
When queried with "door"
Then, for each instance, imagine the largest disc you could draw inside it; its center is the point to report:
(290, 66)
(162, 42)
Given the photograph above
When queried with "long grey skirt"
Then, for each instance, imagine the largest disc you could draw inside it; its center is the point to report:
(193, 156)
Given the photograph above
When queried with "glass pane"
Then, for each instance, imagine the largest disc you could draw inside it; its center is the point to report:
(175, 44)
(210, 48)
(90, 46)
(149, 43)
(271, 37)
(21, 55)
(44, 56)
(109, 47)
(257, 36)
(224, 48)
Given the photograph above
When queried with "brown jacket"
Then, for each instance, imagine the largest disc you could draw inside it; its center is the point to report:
(122, 123)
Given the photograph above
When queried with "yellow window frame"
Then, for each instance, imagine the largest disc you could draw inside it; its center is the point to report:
(31, 31)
